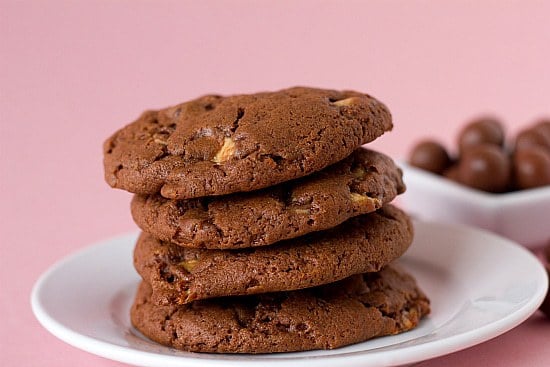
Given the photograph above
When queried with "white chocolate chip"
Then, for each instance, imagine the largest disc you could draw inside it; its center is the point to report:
(161, 142)
(346, 102)
(359, 198)
(189, 265)
(227, 150)
(359, 172)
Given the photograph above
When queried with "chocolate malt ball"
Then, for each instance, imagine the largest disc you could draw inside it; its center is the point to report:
(545, 307)
(535, 136)
(532, 167)
(486, 167)
(482, 131)
(452, 172)
(543, 125)
(430, 156)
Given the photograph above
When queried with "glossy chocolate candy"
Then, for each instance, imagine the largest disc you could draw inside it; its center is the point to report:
(430, 156)
(532, 167)
(485, 167)
(481, 131)
(538, 135)
(545, 306)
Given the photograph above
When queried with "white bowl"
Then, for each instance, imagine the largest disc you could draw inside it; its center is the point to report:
(522, 216)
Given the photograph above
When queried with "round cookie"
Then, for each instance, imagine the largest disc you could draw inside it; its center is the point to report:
(362, 244)
(217, 145)
(359, 184)
(350, 311)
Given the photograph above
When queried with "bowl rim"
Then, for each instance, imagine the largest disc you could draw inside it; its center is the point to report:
(441, 183)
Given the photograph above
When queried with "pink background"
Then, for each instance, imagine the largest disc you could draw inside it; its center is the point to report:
(73, 72)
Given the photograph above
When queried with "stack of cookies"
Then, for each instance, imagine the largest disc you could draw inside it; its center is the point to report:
(266, 226)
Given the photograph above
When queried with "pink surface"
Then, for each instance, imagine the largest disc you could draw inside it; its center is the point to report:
(70, 74)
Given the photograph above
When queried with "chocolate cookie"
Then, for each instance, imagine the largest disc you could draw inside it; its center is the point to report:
(362, 244)
(352, 310)
(219, 145)
(359, 184)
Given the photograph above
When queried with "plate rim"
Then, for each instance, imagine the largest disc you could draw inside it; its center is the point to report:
(410, 354)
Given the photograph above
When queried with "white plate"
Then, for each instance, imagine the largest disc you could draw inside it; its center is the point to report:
(480, 285)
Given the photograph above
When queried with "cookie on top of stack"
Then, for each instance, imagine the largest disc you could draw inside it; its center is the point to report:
(266, 226)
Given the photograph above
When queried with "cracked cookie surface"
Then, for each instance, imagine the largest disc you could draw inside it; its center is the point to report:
(361, 244)
(352, 310)
(217, 145)
(361, 183)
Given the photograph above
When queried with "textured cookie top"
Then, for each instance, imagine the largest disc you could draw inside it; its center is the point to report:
(359, 184)
(350, 311)
(362, 244)
(218, 145)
